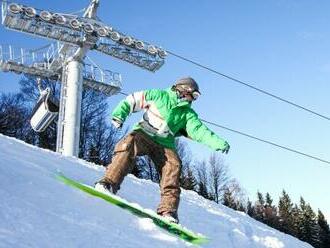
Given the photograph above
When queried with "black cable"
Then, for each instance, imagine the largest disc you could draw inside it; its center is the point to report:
(122, 93)
(259, 139)
(249, 86)
(268, 142)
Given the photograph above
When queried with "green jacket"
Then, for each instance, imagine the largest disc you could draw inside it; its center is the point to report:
(166, 117)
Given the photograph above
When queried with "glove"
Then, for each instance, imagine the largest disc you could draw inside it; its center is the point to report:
(117, 123)
(226, 149)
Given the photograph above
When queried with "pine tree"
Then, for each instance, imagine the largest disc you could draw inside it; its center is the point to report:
(241, 207)
(260, 207)
(250, 209)
(229, 200)
(295, 215)
(233, 196)
(324, 230)
(285, 213)
(308, 228)
(270, 212)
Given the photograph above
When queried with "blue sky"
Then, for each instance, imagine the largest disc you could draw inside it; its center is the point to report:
(280, 46)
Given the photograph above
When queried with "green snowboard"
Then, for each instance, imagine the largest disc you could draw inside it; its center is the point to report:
(173, 228)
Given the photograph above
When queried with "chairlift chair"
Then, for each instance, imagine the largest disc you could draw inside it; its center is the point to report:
(45, 111)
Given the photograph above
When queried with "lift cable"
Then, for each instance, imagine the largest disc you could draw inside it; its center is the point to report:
(268, 142)
(249, 86)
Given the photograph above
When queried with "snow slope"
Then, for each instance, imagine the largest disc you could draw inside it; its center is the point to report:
(36, 210)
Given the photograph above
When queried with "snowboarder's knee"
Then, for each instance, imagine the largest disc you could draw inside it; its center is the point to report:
(125, 143)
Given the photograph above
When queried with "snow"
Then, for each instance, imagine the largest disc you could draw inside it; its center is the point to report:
(36, 210)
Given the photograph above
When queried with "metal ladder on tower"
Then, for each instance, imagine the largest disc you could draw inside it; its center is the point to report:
(60, 121)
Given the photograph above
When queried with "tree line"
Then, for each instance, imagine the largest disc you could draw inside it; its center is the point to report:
(298, 220)
(209, 178)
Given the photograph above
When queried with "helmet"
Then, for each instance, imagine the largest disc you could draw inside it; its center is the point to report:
(186, 86)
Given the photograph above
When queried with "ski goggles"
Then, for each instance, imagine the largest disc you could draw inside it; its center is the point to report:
(195, 95)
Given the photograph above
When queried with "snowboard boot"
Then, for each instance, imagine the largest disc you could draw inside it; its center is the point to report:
(171, 217)
(105, 187)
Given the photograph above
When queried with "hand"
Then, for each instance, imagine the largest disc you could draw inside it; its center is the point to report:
(117, 123)
(225, 149)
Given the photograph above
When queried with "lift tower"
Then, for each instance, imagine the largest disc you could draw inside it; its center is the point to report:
(65, 61)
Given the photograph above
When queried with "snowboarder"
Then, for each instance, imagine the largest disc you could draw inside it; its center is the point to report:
(167, 114)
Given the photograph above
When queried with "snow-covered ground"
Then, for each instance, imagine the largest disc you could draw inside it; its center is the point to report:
(36, 210)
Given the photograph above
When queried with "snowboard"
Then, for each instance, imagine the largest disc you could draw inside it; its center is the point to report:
(172, 228)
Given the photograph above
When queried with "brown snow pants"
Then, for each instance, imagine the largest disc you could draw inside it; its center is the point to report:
(167, 162)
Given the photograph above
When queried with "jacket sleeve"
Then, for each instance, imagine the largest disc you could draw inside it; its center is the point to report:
(199, 132)
(134, 103)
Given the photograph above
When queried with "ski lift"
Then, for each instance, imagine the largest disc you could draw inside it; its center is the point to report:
(45, 110)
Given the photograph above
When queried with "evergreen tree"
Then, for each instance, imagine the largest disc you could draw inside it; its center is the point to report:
(308, 228)
(295, 215)
(250, 209)
(285, 208)
(241, 207)
(324, 230)
(229, 200)
(233, 196)
(270, 214)
(300, 222)
(260, 207)
(260, 199)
